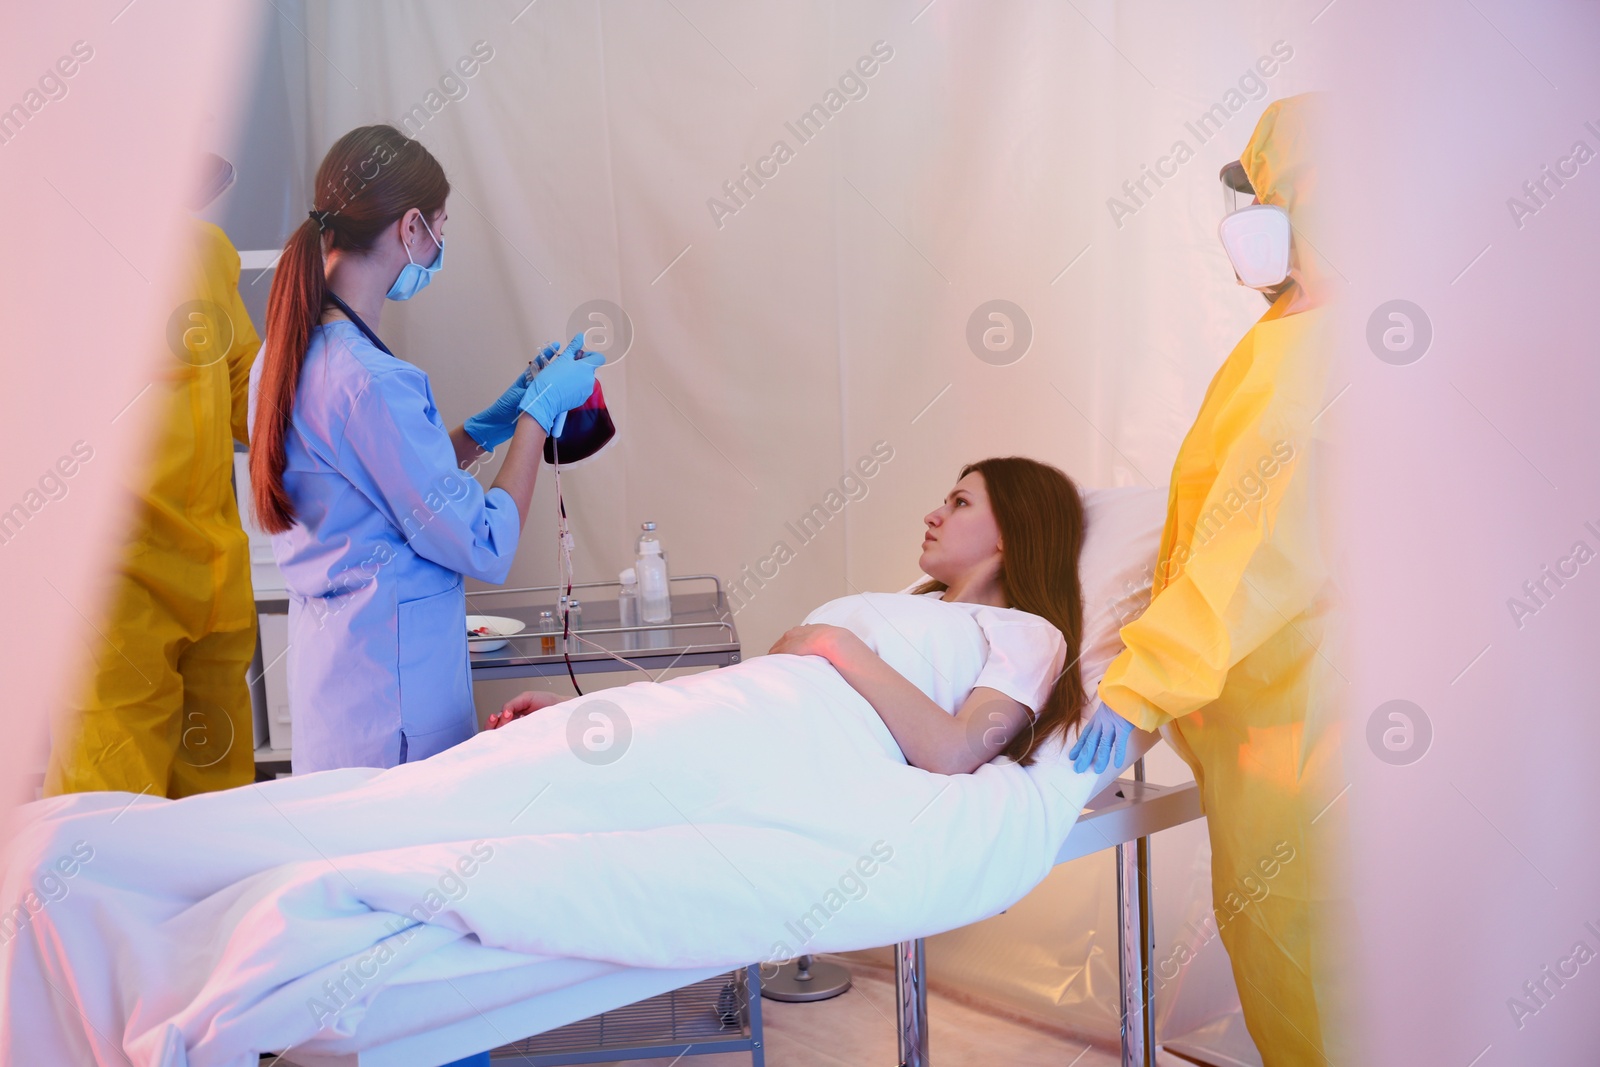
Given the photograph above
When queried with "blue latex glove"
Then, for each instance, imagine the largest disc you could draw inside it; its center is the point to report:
(494, 425)
(1106, 733)
(563, 384)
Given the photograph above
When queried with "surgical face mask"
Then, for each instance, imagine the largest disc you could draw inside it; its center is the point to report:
(414, 277)
(1255, 236)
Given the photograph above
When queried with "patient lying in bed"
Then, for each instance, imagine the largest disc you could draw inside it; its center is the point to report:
(1023, 598)
(348, 908)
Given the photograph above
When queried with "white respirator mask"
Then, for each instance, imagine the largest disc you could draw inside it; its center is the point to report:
(1255, 236)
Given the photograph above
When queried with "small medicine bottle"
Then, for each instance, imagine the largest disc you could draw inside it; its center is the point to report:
(574, 624)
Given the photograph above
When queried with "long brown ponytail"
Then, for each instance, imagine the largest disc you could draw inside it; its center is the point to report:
(370, 178)
(1042, 524)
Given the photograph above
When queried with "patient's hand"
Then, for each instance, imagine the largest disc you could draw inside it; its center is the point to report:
(818, 639)
(520, 705)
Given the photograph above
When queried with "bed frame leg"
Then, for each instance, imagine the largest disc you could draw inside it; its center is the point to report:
(911, 1002)
(752, 991)
(1136, 950)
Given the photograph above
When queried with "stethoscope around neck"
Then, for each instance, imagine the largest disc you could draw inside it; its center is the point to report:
(360, 325)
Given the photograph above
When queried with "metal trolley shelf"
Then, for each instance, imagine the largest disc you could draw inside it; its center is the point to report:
(701, 633)
(720, 1014)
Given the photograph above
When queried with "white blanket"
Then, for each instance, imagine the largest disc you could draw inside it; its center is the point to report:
(754, 813)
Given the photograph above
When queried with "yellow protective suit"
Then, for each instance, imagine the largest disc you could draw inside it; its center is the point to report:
(1228, 657)
(167, 708)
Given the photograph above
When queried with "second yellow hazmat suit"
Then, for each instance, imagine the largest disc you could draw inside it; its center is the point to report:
(167, 707)
(1228, 657)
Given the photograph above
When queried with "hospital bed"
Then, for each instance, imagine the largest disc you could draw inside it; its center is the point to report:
(547, 994)
(1119, 813)
(1123, 814)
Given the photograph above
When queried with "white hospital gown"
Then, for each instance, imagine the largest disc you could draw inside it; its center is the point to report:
(1024, 653)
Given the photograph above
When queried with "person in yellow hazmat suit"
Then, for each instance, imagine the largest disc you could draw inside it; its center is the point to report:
(1227, 659)
(166, 709)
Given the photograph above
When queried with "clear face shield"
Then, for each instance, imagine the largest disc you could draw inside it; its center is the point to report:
(1256, 236)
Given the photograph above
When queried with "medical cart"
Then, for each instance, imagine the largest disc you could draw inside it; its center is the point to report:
(701, 633)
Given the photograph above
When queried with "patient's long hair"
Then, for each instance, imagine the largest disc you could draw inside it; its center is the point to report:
(1041, 520)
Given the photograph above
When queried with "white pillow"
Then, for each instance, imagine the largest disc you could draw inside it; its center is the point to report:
(1116, 568)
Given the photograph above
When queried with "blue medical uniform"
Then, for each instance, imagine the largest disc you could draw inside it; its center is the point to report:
(386, 526)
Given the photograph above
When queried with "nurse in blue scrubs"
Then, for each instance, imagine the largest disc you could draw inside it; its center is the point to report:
(375, 521)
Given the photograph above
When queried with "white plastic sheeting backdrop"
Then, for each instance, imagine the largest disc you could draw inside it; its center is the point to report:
(783, 330)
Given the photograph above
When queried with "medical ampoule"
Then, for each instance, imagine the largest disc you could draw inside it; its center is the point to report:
(574, 624)
(628, 597)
